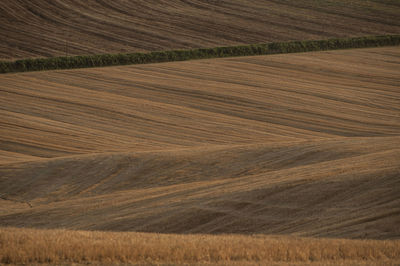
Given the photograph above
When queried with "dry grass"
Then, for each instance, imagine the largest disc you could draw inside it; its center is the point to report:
(41, 28)
(19, 246)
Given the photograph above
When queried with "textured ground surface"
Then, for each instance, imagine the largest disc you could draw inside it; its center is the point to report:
(44, 28)
(70, 247)
(304, 144)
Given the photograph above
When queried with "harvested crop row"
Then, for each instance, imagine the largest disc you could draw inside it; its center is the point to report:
(20, 246)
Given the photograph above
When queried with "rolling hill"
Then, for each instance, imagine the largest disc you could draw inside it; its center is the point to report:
(301, 144)
(45, 28)
(278, 159)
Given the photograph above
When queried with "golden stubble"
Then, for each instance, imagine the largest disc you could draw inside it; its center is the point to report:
(20, 246)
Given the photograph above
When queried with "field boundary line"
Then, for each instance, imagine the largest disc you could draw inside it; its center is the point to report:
(103, 60)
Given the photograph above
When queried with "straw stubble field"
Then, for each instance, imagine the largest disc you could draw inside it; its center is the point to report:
(62, 246)
(283, 158)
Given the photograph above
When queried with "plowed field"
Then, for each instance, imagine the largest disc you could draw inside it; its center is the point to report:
(43, 28)
(301, 144)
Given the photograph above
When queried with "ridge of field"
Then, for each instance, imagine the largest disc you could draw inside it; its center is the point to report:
(46, 28)
(21, 246)
(103, 60)
(299, 144)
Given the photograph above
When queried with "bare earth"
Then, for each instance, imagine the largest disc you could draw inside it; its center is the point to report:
(301, 144)
(44, 28)
(296, 157)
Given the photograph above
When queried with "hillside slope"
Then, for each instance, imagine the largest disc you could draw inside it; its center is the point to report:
(45, 28)
(328, 188)
(304, 144)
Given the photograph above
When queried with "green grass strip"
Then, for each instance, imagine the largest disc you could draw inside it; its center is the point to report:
(102, 60)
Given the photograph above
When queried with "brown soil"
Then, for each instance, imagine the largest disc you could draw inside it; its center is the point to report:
(301, 144)
(45, 28)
